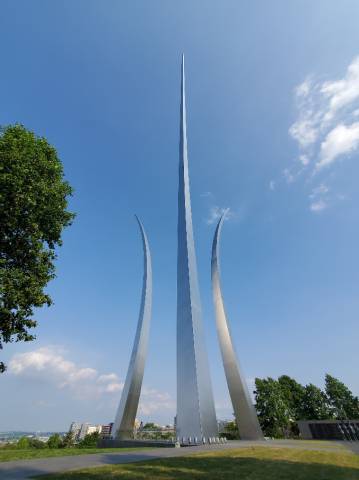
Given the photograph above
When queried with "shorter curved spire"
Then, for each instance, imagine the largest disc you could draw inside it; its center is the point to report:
(127, 410)
(244, 411)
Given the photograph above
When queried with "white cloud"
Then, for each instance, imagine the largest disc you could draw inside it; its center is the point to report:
(272, 185)
(110, 377)
(153, 401)
(342, 93)
(304, 131)
(318, 206)
(215, 214)
(341, 140)
(303, 89)
(49, 364)
(326, 127)
(319, 198)
(322, 189)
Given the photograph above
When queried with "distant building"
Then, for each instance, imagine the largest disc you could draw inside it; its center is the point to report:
(80, 430)
(83, 431)
(75, 429)
(138, 424)
(94, 429)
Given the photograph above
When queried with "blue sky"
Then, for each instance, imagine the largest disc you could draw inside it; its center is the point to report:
(273, 132)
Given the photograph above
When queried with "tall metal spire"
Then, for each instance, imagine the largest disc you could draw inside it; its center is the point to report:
(126, 413)
(245, 414)
(196, 417)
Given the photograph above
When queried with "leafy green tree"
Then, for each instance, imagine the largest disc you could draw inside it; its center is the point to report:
(23, 443)
(90, 440)
(293, 392)
(150, 426)
(271, 406)
(68, 441)
(315, 404)
(33, 213)
(55, 441)
(230, 431)
(342, 403)
(38, 444)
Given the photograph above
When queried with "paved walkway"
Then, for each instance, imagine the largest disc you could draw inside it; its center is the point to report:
(24, 469)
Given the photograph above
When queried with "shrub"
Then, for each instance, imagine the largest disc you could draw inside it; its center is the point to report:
(23, 443)
(90, 440)
(55, 441)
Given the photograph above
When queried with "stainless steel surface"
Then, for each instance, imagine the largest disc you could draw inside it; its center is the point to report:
(196, 415)
(126, 413)
(244, 411)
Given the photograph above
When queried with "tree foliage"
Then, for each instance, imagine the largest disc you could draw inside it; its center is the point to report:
(150, 426)
(281, 403)
(342, 403)
(37, 444)
(68, 440)
(90, 440)
(272, 408)
(293, 393)
(23, 443)
(230, 431)
(55, 441)
(33, 213)
(314, 404)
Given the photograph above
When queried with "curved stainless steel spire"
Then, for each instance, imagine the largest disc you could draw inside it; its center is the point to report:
(196, 415)
(126, 413)
(245, 414)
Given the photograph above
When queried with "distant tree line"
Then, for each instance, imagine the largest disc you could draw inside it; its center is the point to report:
(281, 403)
(54, 442)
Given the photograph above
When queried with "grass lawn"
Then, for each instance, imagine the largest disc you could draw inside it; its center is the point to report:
(7, 455)
(255, 463)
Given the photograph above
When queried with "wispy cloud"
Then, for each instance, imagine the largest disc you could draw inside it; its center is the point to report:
(327, 127)
(206, 194)
(319, 198)
(216, 212)
(50, 365)
(153, 401)
(318, 205)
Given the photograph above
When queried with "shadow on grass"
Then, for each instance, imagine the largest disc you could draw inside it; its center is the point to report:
(218, 468)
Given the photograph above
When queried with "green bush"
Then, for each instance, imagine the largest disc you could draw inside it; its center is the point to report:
(37, 444)
(55, 441)
(230, 431)
(23, 443)
(90, 440)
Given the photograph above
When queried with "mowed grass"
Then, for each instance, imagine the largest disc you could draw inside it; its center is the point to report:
(29, 454)
(255, 463)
